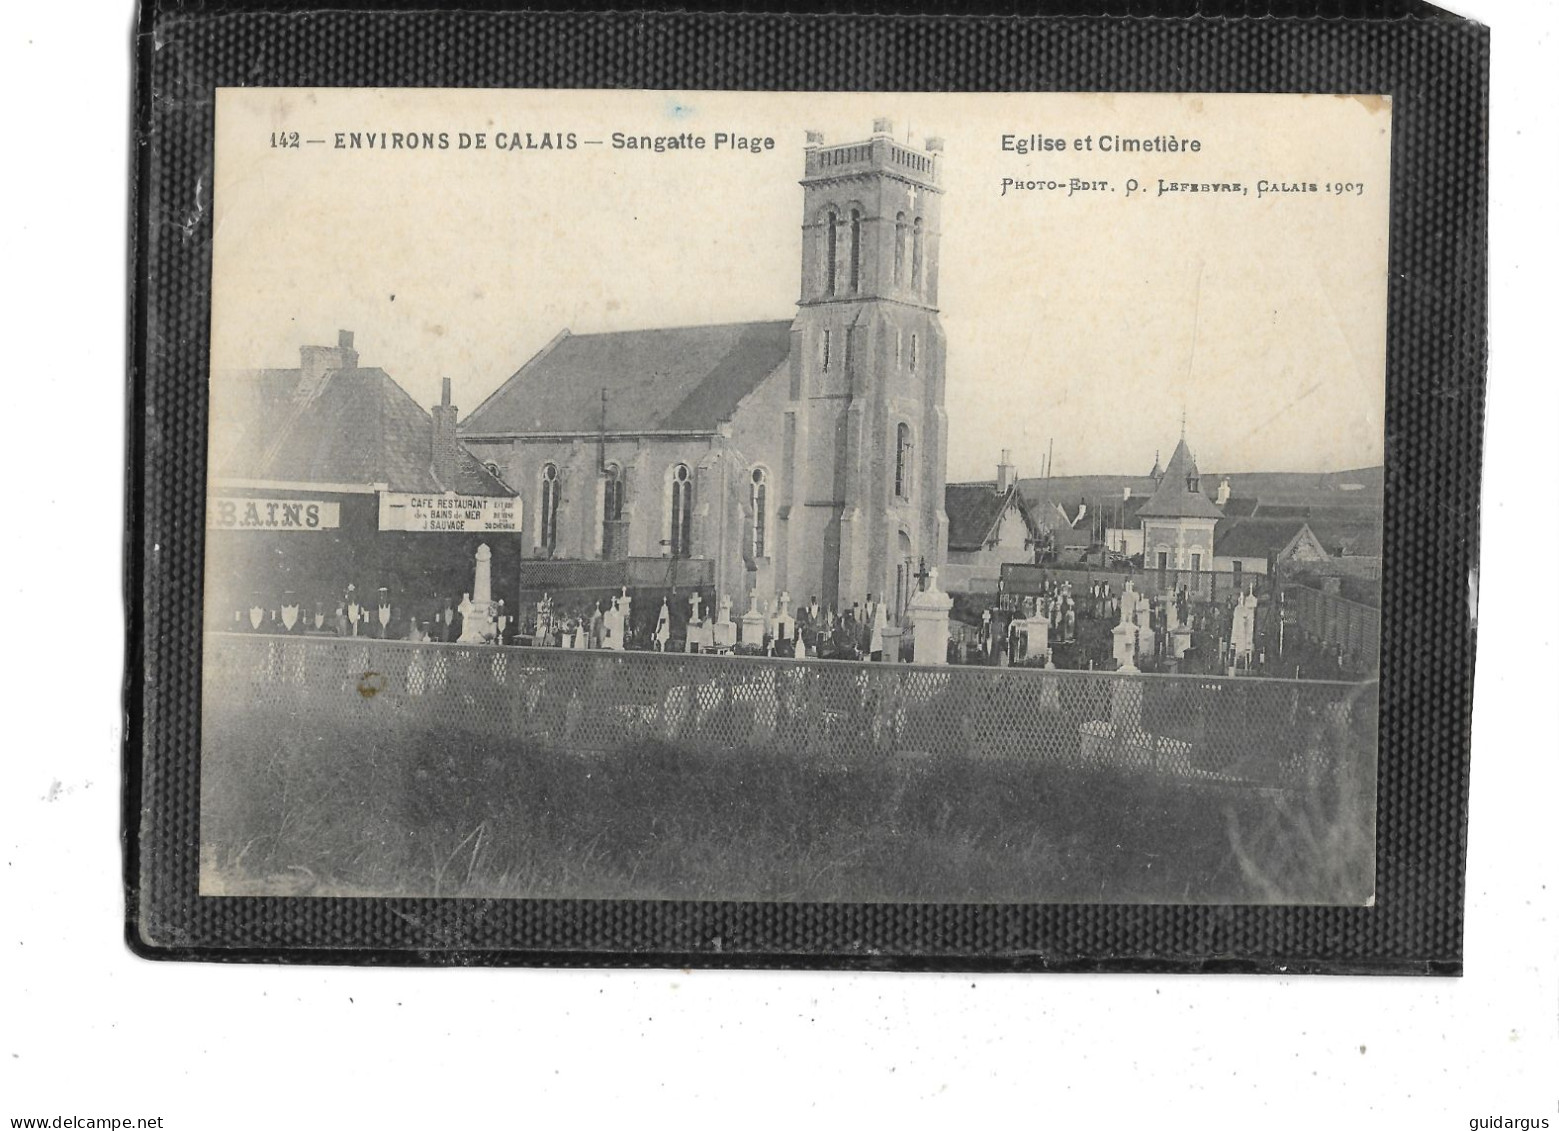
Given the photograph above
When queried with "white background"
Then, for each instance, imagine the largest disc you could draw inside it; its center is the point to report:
(88, 1029)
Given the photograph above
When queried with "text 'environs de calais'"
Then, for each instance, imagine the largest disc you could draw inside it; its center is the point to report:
(516, 141)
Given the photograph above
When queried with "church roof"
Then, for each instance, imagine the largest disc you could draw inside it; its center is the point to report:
(687, 379)
(1173, 499)
(359, 427)
(975, 509)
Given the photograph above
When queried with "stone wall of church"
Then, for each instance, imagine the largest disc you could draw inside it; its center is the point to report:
(719, 466)
(646, 465)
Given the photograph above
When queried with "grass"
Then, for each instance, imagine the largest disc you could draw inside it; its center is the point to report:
(365, 810)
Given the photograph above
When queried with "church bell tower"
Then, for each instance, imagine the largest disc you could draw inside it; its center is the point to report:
(866, 426)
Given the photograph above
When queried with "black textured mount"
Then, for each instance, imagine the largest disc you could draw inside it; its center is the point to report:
(1435, 68)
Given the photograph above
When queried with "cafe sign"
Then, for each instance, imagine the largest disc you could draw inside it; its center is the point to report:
(448, 514)
(272, 514)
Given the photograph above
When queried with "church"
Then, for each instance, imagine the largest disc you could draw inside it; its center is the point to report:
(804, 456)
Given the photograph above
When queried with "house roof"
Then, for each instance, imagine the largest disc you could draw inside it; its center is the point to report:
(975, 509)
(690, 378)
(1282, 510)
(1240, 506)
(1173, 499)
(1256, 537)
(358, 426)
(1354, 539)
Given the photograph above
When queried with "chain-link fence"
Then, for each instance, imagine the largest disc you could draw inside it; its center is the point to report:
(1228, 730)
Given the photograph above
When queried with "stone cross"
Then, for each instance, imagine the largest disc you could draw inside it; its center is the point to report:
(694, 602)
(784, 602)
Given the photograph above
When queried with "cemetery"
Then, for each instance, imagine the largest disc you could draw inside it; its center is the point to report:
(481, 766)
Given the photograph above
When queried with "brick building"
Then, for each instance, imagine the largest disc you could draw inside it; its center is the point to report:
(1178, 520)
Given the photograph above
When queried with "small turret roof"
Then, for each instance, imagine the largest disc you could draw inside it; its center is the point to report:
(1174, 498)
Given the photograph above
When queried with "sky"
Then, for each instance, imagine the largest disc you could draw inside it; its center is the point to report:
(1093, 318)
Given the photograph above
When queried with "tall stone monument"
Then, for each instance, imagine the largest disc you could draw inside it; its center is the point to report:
(1242, 636)
(479, 625)
(928, 613)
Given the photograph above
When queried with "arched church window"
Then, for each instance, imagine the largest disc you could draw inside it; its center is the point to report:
(614, 493)
(900, 238)
(828, 348)
(547, 532)
(855, 250)
(760, 512)
(613, 533)
(914, 351)
(915, 270)
(831, 253)
(901, 466)
(681, 511)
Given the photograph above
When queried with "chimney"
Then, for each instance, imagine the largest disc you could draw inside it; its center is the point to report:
(319, 362)
(446, 444)
(1006, 474)
(1223, 491)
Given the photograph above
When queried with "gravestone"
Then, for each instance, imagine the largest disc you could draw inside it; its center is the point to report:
(1124, 645)
(1147, 639)
(783, 626)
(663, 626)
(1039, 637)
(699, 638)
(1242, 636)
(612, 627)
(928, 613)
(723, 630)
(754, 623)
